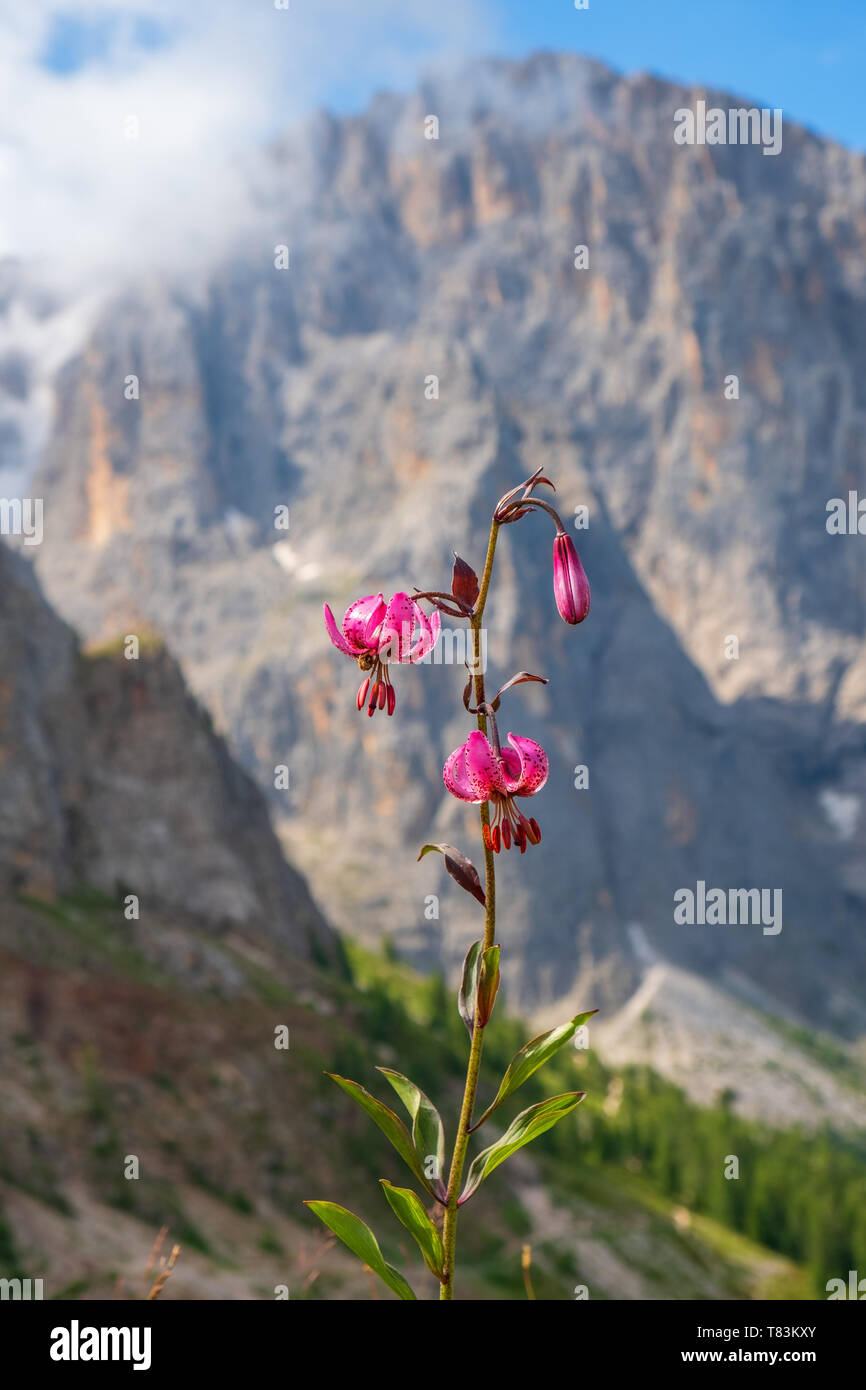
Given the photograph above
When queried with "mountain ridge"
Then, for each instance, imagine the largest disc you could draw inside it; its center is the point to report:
(455, 258)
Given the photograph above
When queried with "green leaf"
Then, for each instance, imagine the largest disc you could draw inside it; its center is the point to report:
(408, 1209)
(390, 1124)
(488, 984)
(533, 1056)
(428, 1134)
(467, 997)
(353, 1232)
(528, 1125)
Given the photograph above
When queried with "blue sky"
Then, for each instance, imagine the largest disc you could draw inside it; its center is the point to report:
(206, 82)
(806, 56)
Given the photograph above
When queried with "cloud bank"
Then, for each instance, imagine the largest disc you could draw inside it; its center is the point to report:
(124, 138)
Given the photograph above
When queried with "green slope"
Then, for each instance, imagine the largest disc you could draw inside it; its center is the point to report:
(146, 1040)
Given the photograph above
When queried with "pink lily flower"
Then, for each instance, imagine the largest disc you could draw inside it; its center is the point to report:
(375, 632)
(480, 770)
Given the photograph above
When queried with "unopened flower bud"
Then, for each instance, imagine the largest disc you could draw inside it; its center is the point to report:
(570, 584)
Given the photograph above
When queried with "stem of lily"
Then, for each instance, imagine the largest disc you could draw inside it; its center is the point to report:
(458, 1157)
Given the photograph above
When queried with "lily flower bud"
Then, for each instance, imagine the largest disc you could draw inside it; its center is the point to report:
(570, 584)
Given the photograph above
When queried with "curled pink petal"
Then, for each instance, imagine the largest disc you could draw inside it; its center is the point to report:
(483, 768)
(337, 637)
(374, 623)
(395, 636)
(534, 766)
(456, 778)
(429, 633)
(512, 765)
(356, 620)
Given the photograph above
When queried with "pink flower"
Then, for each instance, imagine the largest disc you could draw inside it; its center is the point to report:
(570, 584)
(375, 632)
(479, 770)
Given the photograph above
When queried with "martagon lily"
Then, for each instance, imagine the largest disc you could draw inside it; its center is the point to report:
(375, 633)
(480, 770)
(494, 778)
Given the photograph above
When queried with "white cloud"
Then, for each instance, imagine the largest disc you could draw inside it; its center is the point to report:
(78, 196)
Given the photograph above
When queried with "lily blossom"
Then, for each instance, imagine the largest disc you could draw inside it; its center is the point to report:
(375, 633)
(480, 770)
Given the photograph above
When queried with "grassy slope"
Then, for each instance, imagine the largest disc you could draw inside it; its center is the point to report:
(143, 1040)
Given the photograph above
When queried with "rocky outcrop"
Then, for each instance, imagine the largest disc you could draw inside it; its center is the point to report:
(112, 778)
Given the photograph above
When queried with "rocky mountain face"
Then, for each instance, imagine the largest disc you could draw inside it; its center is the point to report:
(111, 777)
(740, 764)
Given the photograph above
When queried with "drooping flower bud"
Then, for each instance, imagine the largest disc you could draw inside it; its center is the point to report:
(570, 584)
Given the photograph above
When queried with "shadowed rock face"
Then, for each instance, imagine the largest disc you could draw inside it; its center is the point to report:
(454, 258)
(110, 777)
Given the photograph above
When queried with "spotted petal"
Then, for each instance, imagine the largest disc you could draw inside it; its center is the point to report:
(336, 635)
(374, 624)
(511, 767)
(456, 778)
(533, 767)
(483, 768)
(395, 637)
(356, 621)
(429, 633)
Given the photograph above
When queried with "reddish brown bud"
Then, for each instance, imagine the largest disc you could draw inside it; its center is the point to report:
(464, 583)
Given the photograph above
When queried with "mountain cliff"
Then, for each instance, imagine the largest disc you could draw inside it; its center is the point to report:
(742, 765)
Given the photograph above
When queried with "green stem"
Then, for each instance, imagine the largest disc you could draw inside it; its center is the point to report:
(458, 1157)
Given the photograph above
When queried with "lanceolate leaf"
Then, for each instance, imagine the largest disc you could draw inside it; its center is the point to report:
(352, 1231)
(533, 1056)
(488, 984)
(408, 1209)
(461, 869)
(528, 1125)
(390, 1124)
(466, 998)
(428, 1135)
